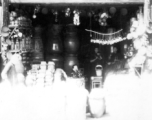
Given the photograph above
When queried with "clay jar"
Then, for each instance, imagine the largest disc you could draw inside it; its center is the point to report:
(97, 102)
(71, 41)
(54, 42)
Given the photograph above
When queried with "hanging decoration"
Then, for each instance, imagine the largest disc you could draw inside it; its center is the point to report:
(67, 12)
(103, 18)
(44, 11)
(36, 10)
(138, 26)
(106, 39)
(76, 18)
(112, 10)
(124, 11)
(55, 12)
(90, 14)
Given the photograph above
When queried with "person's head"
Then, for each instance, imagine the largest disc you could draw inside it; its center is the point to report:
(75, 67)
(96, 50)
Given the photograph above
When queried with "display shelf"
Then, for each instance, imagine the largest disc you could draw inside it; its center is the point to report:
(20, 27)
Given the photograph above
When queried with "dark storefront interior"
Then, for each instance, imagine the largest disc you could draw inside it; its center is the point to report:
(89, 19)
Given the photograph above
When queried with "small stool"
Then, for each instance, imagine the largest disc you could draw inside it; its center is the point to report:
(96, 82)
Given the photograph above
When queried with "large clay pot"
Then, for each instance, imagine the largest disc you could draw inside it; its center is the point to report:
(56, 58)
(97, 102)
(38, 45)
(71, 41)
(54, 45)
(38, 57)
(54, 42)
(69, 61)
(55, 29)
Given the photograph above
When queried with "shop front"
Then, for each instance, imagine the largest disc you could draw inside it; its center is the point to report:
(71, 49)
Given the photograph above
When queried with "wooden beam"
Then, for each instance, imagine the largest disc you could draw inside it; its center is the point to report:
(5, 6)
(78, 1)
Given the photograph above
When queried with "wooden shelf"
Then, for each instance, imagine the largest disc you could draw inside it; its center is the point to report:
(20, 27)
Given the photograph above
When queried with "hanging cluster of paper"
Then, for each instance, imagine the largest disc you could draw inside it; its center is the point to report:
(106, 39)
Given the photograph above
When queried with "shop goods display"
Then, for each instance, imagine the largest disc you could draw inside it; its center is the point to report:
(41, 74)
(16, 20)
(26, 59)
(99, 70)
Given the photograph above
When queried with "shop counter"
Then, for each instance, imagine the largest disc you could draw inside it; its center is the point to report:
(104, 117)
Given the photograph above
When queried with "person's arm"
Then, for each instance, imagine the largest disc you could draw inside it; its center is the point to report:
(93, 60)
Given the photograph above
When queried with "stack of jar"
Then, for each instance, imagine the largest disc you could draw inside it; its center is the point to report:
(71, 45)
(55, 45)
(41, 74)
(26, 59)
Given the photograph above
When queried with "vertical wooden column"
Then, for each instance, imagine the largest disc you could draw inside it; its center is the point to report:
(4, 21)
(5, 6)
(1, 23)
(146, 10)
(151, 10)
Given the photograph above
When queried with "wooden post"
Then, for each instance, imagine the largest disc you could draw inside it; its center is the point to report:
(1, 22)
(5, 6)
(146, 10)
(4, 21)
(151, 10)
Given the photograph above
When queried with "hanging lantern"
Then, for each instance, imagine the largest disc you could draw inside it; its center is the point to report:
(45, 11)
(36, 10)
(112, 10)
(124, 11)
(55, 12)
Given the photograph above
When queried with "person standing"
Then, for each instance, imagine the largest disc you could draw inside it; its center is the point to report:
(96, 59)
(113, 57)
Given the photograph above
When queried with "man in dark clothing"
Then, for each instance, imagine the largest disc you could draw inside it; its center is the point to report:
(113, 57)
(96, 59)
(76, 73)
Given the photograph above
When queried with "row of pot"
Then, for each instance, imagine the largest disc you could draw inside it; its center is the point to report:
(52, 48)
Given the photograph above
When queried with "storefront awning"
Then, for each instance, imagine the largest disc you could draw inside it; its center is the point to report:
(78, 1)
